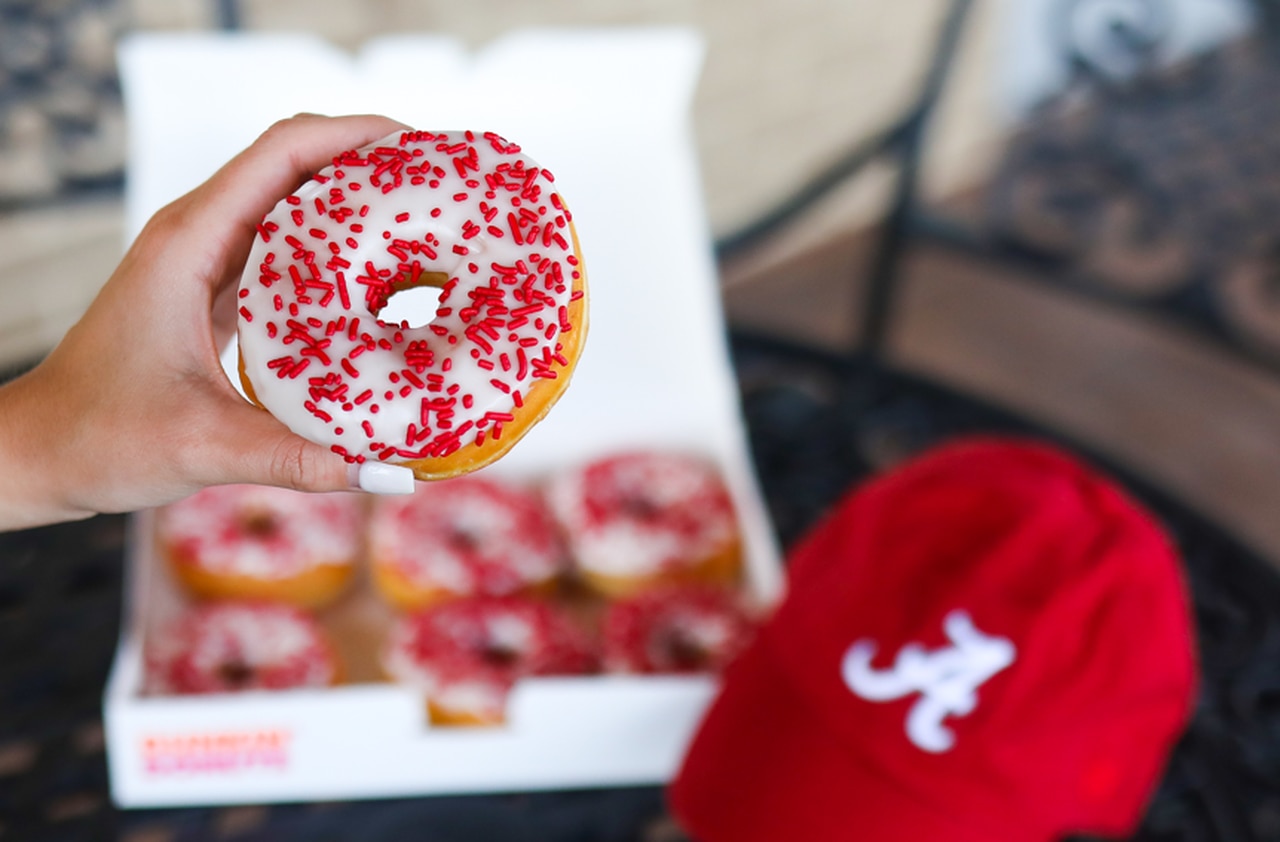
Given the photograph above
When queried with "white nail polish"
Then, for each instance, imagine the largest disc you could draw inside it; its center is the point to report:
(377, 478)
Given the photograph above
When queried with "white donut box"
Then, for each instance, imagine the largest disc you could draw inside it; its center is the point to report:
(607, 112)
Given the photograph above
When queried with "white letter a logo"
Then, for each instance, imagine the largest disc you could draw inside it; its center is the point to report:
(947, 679)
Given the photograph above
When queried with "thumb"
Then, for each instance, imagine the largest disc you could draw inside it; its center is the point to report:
(259, 449)
(253, 447)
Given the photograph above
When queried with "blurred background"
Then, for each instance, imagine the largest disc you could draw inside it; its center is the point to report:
(1075, 216)
(787, 90)
(786, 87)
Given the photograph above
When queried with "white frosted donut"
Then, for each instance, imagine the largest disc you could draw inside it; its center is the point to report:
(677, 629)
(464, 211)
(232, 646)
(260, 542)
(641, 519)
(462, 537)
(466, 655)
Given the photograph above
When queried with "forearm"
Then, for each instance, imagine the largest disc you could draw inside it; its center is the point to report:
(32, 491)
(132, 409)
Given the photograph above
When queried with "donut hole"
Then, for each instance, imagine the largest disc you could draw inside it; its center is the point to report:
(640, 508)
(235, 675)
(497, 654)
(260, 525)
(413, 303)
(683, 650)
(464, 541)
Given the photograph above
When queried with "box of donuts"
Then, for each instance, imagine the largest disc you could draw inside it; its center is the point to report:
(555, 619)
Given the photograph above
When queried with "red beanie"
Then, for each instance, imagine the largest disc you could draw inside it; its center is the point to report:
(989, 643)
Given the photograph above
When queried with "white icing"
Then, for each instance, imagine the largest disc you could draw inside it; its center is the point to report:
(475, 694)
(306, 530)
(400, 665)
(454, 684)
(413, 533)
(509, 632)
(256, 636)
(618, 545)
(705, 631)
(389, 358)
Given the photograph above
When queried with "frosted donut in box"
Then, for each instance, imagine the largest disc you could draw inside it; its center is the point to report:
(263, 543)
(231, 647)
(466, 212)
(466, 655)
(469, 536)
(644, 519)
(678, 629)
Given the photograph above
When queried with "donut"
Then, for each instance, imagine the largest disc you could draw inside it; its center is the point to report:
(641, 519)
(463, 211)
(467, 654)
(263, 543)
(467, 536)
(675, 630)
(230, 647)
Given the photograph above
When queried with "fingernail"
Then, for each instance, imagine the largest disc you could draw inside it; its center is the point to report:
(379, 478)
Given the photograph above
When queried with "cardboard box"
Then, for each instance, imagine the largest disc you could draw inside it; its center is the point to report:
(607, 112)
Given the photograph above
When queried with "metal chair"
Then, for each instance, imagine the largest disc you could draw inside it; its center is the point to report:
(821, 420)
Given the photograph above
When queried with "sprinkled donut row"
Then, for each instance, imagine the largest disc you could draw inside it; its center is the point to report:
(458, 538)
(462, 559)
(465, 655)
(623, 524)
(653, 533)
(466, 212)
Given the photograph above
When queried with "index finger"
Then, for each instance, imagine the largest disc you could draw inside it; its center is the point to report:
(228, 206)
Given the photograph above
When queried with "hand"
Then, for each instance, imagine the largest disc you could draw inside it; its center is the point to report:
(132, 409)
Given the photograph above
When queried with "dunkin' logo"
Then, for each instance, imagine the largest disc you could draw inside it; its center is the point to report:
(216, 751)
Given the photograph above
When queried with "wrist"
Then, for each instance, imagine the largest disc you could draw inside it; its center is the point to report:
(32, 485)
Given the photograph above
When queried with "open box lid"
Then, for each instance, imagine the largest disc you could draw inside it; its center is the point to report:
(605, 110)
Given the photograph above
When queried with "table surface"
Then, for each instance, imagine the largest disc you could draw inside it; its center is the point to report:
(818, 424)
